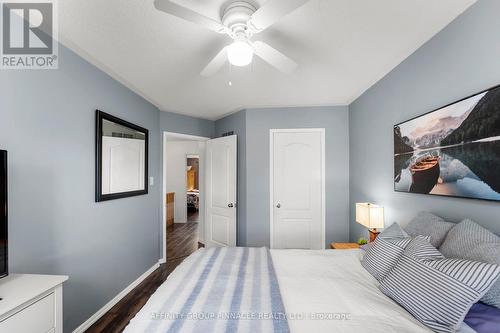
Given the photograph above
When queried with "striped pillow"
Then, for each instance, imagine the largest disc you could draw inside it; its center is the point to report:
(385, 251)
(437, 291)
(468, 240)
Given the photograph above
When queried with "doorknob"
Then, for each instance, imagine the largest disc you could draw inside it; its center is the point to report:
(230, 205)
(278, 205)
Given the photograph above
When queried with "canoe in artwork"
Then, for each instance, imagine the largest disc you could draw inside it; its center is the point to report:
(424, 174)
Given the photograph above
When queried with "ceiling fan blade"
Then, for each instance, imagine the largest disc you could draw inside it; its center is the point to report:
(187, 14)
(271, 12)
(215, 65)
(274, 57)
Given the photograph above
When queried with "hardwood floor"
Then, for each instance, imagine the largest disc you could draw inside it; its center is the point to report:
(182, 240)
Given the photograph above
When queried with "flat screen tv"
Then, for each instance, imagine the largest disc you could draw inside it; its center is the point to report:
(3, 214)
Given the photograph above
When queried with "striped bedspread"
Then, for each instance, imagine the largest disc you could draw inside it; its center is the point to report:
(218, 290)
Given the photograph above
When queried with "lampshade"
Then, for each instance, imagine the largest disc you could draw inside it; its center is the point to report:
(370, 215)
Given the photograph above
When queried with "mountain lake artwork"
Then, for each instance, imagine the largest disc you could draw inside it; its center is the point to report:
(452, 151)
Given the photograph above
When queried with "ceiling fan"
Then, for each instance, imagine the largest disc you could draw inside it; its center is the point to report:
(241, 20)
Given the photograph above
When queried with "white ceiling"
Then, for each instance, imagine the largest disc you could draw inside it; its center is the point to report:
(342, 47)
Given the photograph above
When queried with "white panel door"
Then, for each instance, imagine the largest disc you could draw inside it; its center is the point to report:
(220, 177)
(297, 189)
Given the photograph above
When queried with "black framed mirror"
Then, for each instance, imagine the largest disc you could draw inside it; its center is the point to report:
(121, 158)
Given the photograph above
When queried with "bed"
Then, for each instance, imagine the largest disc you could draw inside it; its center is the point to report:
(193, 199)
(321, 291)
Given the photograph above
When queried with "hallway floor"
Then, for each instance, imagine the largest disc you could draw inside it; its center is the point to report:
(182, 240)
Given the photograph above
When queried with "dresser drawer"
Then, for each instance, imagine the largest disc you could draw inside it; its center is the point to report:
(38, 317)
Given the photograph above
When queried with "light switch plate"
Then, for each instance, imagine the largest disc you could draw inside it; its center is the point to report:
(151, 181)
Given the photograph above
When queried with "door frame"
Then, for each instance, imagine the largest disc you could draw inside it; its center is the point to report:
(165, 136)
(271, 177)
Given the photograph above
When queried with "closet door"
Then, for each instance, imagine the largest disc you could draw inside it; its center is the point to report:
(297, 189)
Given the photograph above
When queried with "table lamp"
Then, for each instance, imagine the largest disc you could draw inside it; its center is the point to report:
(371, 216)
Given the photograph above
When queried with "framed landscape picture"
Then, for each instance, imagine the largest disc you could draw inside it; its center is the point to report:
(452, 151)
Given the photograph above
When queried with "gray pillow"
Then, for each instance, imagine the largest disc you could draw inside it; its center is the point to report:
(385, 251)
(468, 240)
(428, 224)
(437, 291)
(393, 231)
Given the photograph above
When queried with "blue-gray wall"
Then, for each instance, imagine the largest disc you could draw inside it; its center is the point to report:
(461, 60)
(47, 122)
(254, 227)
(237, 123)
(177, 123)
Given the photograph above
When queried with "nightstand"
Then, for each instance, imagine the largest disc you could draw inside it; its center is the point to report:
(344, 246)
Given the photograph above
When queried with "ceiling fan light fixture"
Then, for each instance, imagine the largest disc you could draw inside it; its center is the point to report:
(240, 53)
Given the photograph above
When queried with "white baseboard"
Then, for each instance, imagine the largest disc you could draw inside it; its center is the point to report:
(95, 317)
(162, 261)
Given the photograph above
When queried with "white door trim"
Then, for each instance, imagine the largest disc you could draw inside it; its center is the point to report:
(271, 177)
(164, 188)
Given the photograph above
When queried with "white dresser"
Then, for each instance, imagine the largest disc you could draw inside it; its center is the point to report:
(31, 303)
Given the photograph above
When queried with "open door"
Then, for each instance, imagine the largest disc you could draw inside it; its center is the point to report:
(220, 177)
